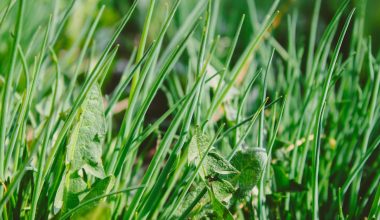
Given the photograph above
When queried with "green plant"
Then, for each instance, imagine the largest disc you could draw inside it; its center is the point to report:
(248, 128)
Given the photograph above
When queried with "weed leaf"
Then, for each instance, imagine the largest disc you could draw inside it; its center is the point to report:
(222, 190)
(216, 164)
(84, 151)
(250, 162)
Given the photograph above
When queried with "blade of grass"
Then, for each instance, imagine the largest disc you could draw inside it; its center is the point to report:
(152, 198)
(356, 170)
(142, 44)
(121, 87)
(229, 58)
(370, 122)
(162, 149)
(41, 161)
(86, 44)
(7, 86)
(319, 119)
(144, 107)
(242, 62)
(26, 105)
(128, 127)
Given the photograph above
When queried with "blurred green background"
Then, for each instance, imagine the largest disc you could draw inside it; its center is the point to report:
(230, 13)
(232, 10)
(228, 18)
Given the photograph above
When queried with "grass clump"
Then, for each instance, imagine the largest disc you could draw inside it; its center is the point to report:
(197, 117)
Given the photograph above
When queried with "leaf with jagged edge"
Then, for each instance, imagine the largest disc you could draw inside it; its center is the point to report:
(84, 149)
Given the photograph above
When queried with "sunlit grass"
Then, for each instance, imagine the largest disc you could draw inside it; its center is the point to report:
(250, 129)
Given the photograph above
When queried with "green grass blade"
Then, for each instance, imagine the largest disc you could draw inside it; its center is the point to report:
(319, 115)
(7, 86)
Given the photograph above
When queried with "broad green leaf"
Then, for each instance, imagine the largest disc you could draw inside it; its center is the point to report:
(223, 190)
(250, 162)
(216, 164)
(84, 149)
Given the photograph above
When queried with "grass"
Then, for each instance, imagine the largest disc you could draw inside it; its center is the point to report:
(187, 110)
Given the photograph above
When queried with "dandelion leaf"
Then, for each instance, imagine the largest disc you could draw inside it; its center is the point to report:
(84, 149)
